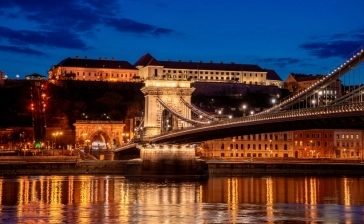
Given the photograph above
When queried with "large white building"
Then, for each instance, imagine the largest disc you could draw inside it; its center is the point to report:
(151, 68)
(147, 67)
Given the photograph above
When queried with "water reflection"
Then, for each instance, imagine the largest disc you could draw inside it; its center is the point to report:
(108, 199)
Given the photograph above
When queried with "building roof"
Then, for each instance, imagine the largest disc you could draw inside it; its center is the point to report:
(211, 66)
(148, 59)
(272, 75)
(93, 63)
(304, 77)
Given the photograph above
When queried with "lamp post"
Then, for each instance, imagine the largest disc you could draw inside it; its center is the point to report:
(311, 142)
(313, 102)
(219, 113)
(273, 102)
(270, 147)
(244, 108)
(55, 135)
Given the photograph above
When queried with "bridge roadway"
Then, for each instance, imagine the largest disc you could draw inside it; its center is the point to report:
(345, 116)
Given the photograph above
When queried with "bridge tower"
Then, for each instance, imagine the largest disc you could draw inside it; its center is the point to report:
(164, 110)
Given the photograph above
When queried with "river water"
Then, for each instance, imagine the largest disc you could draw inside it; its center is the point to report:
(115, 199)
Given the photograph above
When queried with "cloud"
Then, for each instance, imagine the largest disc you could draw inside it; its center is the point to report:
(23, 50)
(79, 16)
(281, 62)
(58, 38)
(336, 45)
(132, 26)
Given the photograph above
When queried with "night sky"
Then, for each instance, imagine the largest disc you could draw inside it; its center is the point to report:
(307, 36)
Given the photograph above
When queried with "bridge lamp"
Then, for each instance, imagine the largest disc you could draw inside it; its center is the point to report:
(244, 108)
(313, 102)
(200, 116)
(273, 101)
(251, 112)
(230, 116)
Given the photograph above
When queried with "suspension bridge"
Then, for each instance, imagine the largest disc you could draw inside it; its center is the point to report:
(334, 101)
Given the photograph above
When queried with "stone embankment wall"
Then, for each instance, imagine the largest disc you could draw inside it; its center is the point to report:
(59, 165)
(242, 168)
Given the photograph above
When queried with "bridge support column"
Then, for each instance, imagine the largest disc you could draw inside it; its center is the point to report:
(156, 118)
(171, 160)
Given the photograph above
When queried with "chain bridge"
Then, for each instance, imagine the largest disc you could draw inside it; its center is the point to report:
(334, 101)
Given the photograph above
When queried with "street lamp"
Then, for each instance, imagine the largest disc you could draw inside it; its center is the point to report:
(55, 135)
(270, 147)
(126, 136)
(313, 102)
(311, 142)
(273, 101)
(219, 112)
(244, 108)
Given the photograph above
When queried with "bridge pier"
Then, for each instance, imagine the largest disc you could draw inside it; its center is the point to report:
(177, 161)
(159, 95)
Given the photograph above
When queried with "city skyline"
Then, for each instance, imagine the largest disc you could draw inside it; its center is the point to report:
(306, 37)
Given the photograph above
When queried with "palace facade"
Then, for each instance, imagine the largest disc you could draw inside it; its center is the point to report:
(151, 68)
(314, 143)
(84, 69)
(147, 67)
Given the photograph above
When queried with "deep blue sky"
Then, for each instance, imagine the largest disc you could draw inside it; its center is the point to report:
(302, 36)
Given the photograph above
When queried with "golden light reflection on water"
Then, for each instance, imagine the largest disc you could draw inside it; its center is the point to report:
(84, 199)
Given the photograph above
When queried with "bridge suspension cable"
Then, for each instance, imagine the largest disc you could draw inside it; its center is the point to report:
(177, 114)
(323, 82)
(199, 111)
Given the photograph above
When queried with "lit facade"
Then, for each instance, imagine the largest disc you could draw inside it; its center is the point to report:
(348, 144)
(299, 82)
(277, 144)
(151, 68)
(94, 70)
(314, 143)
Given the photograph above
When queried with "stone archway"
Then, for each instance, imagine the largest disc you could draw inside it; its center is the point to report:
(108, 134)
(100, 140)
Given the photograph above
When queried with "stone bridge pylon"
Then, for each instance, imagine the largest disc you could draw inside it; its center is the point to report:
(164, 110)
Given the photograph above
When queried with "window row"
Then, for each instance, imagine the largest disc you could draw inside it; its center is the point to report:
(253, 146)
(347, 136)
(348, 144)
(96, 74)
(313, 135)
(262, 137)
(252, 155)
(213, 73)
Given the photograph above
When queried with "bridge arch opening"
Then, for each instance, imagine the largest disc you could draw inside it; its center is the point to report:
(168, 122)
(100, 140)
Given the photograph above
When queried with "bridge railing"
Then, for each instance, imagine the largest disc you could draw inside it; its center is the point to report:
(351, 61)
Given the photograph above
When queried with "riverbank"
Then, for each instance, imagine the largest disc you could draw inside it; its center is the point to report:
(227, 168)
(72, 165)
(58, 165)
